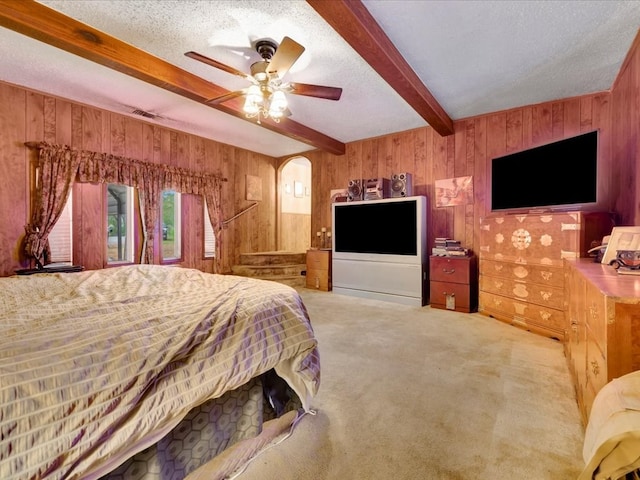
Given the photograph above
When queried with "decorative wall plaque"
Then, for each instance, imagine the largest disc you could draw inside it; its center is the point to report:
(254, 188)
(454, 191)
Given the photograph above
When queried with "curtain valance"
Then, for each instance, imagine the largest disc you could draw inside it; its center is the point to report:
(58, 166)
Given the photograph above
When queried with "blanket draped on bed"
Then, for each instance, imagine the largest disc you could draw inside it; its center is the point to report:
(97, 365)
(612, 438)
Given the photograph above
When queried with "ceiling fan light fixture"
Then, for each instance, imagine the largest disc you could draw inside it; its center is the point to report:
(263, 101)
(266, 97)
(278, 104)
(259, 71)
(254, 100)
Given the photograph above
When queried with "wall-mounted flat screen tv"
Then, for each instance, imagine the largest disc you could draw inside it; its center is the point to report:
(556, 176)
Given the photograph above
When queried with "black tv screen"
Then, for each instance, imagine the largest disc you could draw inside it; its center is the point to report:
(559, 174)
(377, 227)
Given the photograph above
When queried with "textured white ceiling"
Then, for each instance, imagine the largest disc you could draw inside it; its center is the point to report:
(484, 56)
(474, 56)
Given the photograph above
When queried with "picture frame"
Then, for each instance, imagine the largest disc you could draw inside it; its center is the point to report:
(253, 188)
(451, 192)
(622, 238)
(298, 189)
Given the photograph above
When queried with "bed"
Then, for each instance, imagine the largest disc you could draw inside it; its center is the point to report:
(611, 449)
(99, 368)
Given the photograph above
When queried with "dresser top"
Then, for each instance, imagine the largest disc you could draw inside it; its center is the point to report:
(625, 288)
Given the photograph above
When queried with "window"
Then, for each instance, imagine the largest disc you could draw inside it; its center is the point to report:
(209, 237)
(119, 224)
(60, 237)
(170, 212)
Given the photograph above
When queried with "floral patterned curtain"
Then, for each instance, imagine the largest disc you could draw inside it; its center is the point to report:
(149, 196)
(58, 165)
(213, 196)
(55, 170)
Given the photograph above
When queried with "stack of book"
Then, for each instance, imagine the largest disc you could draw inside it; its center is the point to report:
(448, 247)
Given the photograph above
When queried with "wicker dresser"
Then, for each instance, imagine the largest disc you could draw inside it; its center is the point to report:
(521, 265)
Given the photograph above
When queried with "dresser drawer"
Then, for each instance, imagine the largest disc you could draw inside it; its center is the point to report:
(319, 279)
(494, 305)
(549, 321)
(596, 315)
(544, 295)
(452, 296)
(534, 273)
(453, 269)
(532, 237)
(319, 270)
(318, 260)
(597, 372)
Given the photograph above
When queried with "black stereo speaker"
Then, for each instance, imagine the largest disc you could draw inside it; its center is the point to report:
(355, 191)
(376, 188)
(401, 185)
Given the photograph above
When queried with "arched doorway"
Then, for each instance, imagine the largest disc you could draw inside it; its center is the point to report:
(294, 210)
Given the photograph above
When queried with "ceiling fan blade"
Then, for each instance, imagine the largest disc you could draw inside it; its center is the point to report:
(225, 97)
(217, 64)
(318, 91)
(286, 55)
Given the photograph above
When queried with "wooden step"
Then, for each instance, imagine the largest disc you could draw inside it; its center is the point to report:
(289, 276)
(296, 281)
(273, 258)
(261, 271)
(278, 266)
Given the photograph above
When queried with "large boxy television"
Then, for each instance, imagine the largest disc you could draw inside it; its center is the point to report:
(385, 230)
(561, 175)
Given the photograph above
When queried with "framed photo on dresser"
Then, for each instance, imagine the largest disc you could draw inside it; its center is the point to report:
(622, 238)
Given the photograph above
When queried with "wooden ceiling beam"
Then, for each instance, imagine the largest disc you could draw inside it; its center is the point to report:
(352, 20)
(42, 23)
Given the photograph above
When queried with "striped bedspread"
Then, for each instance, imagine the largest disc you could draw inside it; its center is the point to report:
(97, 365)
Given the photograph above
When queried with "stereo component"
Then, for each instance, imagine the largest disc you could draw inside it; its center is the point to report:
(355, 192)
(376, 188)
(339, 195)
(401, 185)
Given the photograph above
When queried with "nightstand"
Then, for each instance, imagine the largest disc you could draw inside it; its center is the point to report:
(454, 283)
(319, 269)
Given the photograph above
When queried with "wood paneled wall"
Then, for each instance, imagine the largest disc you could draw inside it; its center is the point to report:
(469, 151)
(29, 116)
(294, 232)
(625, 149)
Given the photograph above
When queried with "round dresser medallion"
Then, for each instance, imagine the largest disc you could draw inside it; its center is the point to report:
(521, 239)
(546, 240)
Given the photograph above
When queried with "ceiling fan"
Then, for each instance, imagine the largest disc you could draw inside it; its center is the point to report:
(266, 95)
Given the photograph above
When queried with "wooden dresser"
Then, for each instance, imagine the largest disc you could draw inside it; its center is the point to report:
(521, 265)
(603, 323)
(319, 269)
(454, 283)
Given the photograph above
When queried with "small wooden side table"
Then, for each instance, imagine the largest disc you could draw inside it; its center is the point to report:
(319, 269)
(454, 282)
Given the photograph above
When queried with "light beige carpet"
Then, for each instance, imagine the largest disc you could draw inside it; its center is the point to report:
(421, 393)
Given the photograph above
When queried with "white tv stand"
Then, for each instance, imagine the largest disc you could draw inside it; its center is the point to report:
(391, 282)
